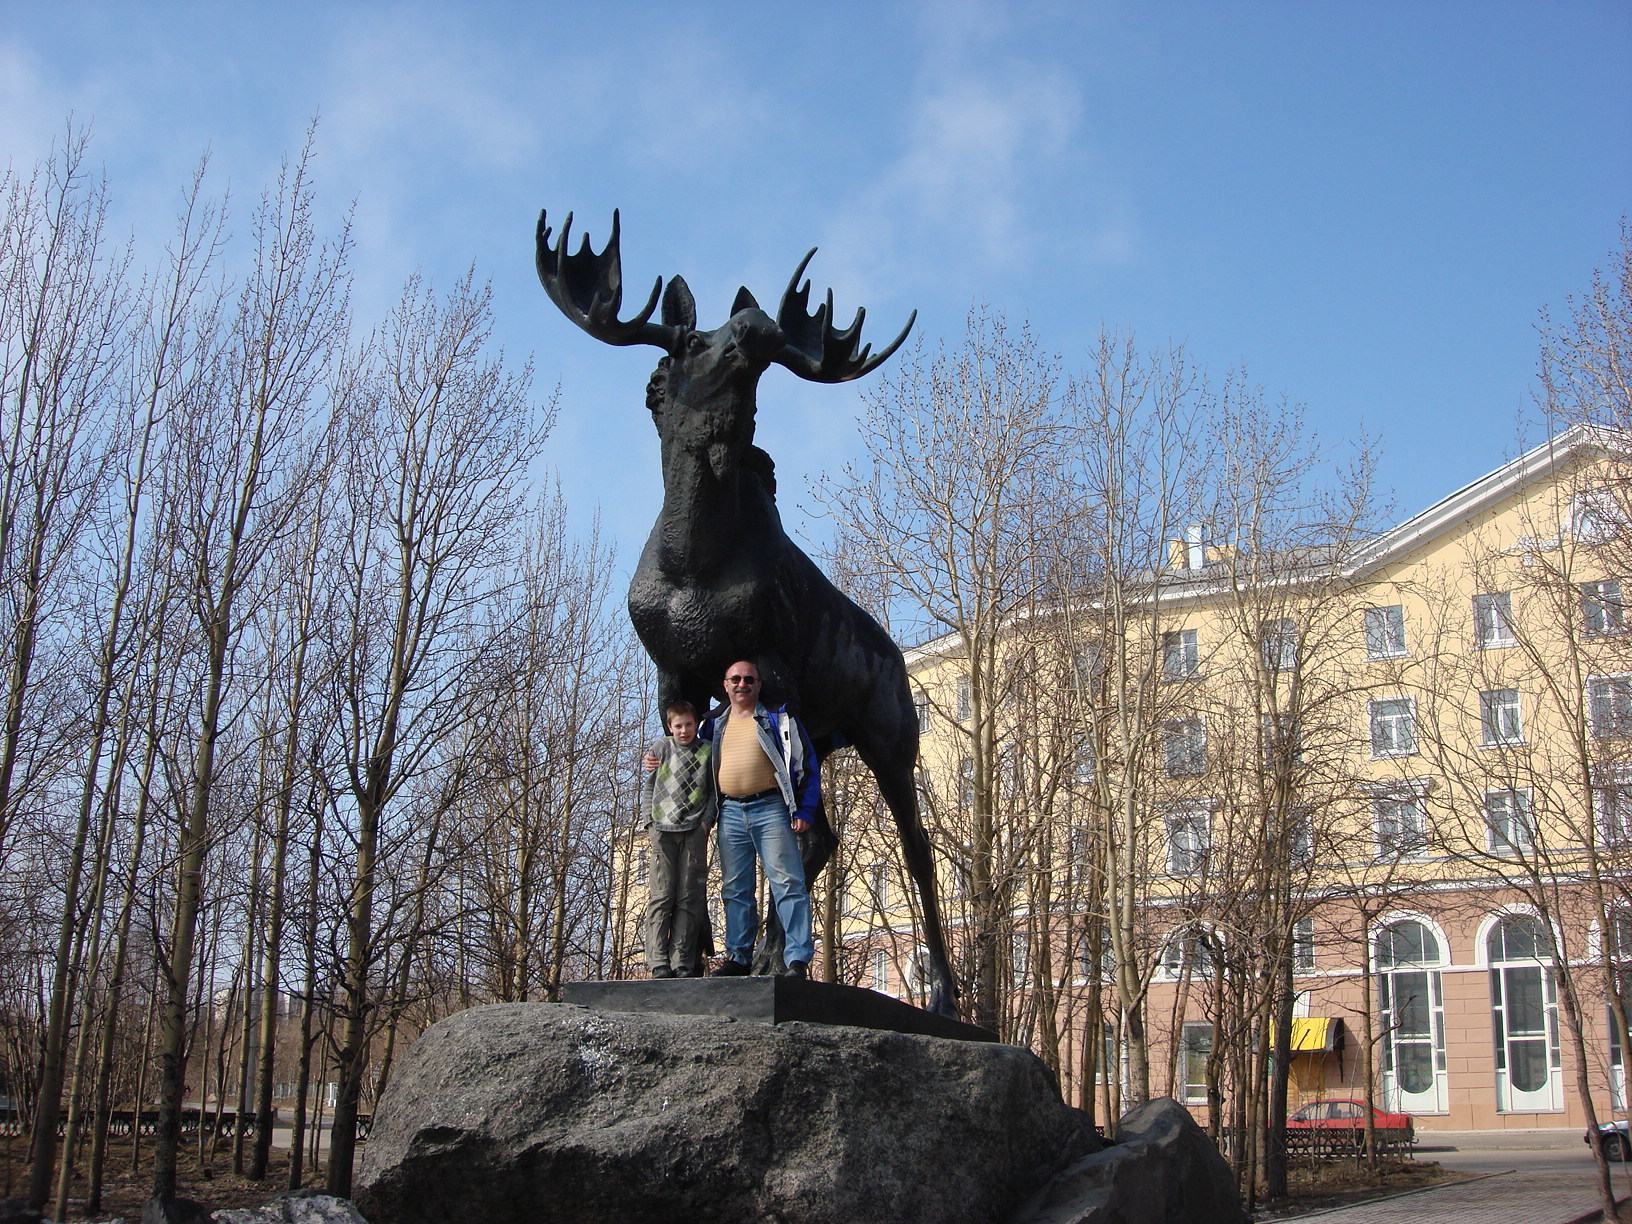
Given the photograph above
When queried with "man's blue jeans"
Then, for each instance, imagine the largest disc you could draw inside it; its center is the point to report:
(760, 827)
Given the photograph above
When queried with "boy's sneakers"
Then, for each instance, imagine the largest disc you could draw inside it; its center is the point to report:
(730, 968)
(662, 971)
(795, 969)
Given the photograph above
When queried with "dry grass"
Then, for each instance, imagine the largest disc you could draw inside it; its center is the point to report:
(211, 1182)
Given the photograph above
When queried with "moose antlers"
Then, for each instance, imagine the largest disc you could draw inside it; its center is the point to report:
(588, 287)
(815, 349)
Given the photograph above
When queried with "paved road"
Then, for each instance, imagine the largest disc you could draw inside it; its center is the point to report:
(1525, 1177)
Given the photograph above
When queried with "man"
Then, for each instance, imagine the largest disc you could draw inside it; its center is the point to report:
(769, 784)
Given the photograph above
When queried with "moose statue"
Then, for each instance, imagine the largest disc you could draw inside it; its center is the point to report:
(719, 579)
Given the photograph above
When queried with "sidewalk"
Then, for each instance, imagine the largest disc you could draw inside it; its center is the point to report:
(1567, 1138)
(1544, 1184)
(1496, 1198)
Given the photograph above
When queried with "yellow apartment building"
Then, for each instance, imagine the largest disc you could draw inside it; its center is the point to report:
(1397, 771)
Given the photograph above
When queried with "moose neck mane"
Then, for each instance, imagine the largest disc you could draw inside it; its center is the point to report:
(705, 520)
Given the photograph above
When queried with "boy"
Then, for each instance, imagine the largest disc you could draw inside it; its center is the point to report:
(681, 808)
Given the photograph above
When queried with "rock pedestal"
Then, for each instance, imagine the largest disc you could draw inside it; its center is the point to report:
(536, 1112)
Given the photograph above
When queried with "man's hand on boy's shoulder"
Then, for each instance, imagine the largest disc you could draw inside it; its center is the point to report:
(649, 760)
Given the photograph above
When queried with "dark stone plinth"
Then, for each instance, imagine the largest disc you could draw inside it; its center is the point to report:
(770, 1000)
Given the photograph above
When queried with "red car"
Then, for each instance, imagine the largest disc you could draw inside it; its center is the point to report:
(1342, 1125)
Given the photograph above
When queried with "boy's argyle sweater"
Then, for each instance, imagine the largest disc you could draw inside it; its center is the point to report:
(680, 791)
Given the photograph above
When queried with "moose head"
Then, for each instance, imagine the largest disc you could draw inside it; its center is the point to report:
(703, 394)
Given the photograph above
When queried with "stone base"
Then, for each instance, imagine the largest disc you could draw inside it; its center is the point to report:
(770, 1000)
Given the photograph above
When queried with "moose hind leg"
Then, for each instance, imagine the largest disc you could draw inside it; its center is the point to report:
(896, 785)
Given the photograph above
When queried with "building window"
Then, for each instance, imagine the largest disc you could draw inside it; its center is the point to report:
(1187, 953)
(1181, 655)
(1499, 718)
(1385, 632)
(1283, 743)
(1493, 620)
(1609, 706)
(1087, 667)
(878, 884)
(1524, 1007)
(963, 699)
(881, 970)
(1189, 838)
(1095, 953)
(1602, 611)
(1184, 747)
(966, 784)
(1279, 645)
(1413, 1015)
(1594, 516)
(1614, 803)
(1303, 945)
(1509, 828)
(1084, 774)
(1393, 727)
(1195, 1045)
(1019, 958)
(1302, 817)
(1402, 825)
(920, 706)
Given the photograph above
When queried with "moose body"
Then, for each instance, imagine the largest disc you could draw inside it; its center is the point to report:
(719, 579)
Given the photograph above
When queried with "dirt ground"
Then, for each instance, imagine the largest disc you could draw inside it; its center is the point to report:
(212, 1182)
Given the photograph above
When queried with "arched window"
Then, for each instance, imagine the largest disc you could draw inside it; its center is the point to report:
(1407, 954)
(1524, 1008)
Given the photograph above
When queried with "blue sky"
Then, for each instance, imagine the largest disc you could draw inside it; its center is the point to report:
(1363, 204)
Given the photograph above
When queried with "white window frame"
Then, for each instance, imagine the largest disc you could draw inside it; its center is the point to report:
(1181, 654)
(1501, 718)
(1403, 842)
(1184, 747)
(1086, 765)
(880, 970)
(920, 707)
(1374, 721)
(878, 885)
(1612, 807)
(1507, 810)
(1278, 645)
(1595, 515)
(1193, 1056)
(1493, 621)
(1189, 838)
(1603, 609)
(1384, 628)
(1020, 959)
(1303, 945)
(1619, 723)
(963, 699)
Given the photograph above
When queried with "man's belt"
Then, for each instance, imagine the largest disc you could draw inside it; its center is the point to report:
(764, 794)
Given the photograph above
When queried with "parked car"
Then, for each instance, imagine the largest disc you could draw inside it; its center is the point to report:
(1614, 1138)
(1342, 1124)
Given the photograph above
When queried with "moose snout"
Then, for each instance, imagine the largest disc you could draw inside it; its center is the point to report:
(757, 335)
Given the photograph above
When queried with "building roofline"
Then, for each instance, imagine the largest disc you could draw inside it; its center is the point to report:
(1190, 587)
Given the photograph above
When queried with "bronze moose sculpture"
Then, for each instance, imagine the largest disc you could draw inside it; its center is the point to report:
(719, 579)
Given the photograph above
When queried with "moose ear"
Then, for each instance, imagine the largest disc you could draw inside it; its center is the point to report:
(745, 301)
(679, 310)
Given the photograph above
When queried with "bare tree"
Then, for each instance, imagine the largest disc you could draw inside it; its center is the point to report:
(438, 437)
(248, 458)
(961, 480)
